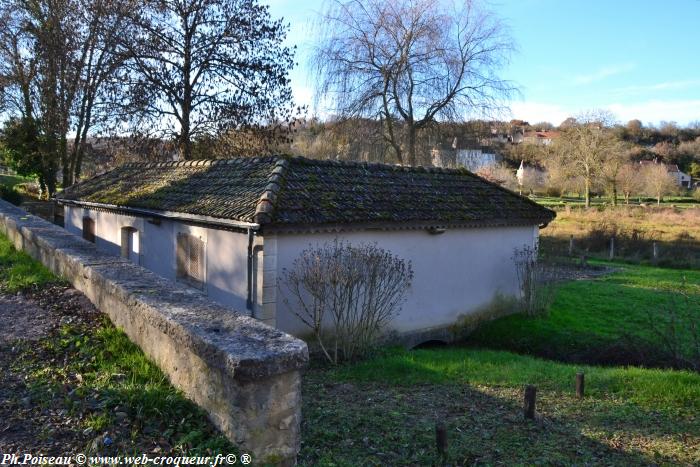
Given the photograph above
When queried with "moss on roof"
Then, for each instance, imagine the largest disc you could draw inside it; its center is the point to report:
(282, 191)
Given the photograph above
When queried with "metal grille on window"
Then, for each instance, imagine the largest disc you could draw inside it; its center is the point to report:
(190, 260)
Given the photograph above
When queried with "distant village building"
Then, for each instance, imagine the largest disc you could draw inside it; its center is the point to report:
(541, 138)
(473, 159)
(682, 179)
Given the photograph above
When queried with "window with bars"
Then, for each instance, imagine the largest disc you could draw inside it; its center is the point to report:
(190, 260)
(89, 229)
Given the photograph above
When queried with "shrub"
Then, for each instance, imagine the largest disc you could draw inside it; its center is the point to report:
(696, 194)
(536, 279)
(10, 195)
(346, 295)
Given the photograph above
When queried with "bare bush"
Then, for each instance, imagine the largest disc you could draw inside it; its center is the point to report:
(536, 279)
(346, 294)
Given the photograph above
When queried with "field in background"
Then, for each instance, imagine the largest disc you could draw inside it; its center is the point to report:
(675, 231)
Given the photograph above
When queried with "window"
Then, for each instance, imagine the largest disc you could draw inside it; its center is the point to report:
(89, 229)
(190, 260)
(130, 244)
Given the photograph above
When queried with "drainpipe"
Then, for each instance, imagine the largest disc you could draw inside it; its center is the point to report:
(252, 251)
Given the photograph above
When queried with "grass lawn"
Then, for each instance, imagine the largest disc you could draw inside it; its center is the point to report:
(383, 410)
(84, 381)
(599, 320)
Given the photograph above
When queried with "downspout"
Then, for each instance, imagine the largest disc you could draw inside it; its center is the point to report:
(252, 251)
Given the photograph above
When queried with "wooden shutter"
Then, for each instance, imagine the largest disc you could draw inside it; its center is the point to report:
(89, 229)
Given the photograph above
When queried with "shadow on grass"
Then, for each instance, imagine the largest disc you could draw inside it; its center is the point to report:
(375, 423)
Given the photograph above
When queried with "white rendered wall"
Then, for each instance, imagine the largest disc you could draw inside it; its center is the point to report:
(455, 273)
(226, 252)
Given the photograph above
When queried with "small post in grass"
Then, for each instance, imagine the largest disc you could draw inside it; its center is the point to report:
(530, 401)
(612, 248)
(441, 439)
(579, 385)
(571, 245)
(655, 252)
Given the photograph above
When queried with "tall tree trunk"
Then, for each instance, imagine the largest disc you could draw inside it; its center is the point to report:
(587, 191)
(614, 194)
(411, 144)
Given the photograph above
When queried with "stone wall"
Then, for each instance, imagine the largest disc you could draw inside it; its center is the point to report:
(245, 374)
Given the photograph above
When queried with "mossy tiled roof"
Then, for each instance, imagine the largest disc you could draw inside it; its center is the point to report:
(288, 191)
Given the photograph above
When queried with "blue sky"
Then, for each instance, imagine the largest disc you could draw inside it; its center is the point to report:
(638, 59)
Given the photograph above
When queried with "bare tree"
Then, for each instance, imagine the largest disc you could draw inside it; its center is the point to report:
(204, 66)
(658, 182)
(616, 158)
(346, 294)
(629, 181)
(410, 63)
(55, 58)
(583, 148)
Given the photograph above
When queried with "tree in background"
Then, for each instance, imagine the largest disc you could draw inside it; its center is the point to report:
(658, 182)
(411, 63)
(203, 67)
(629, 180)
(615, 159)
(583, 149)
(57, 58)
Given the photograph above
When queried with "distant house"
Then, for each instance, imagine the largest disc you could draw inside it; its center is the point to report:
(466, 156)
(541, 138)
(229, 228)
(682, 179)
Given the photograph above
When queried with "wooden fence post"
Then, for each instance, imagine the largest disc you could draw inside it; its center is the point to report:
(441, 439)
(571, 246)
(655, 252)
(579, 385)
(530, 401)
(612, 248)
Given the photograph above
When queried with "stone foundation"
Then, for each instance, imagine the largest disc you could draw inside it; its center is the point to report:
(245, 374)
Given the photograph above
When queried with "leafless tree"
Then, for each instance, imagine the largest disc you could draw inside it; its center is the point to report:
(615, 159)
(202, 67)
(584, 147)
(410, 63)
(658, 182)
(352, 289)
(629, 180)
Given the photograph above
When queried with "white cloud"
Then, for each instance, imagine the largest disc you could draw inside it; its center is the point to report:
(534, 112)
(654, 111)
(603, 73)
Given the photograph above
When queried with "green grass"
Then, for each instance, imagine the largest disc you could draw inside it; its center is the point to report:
(383, 412)
(678, 201)
(650, 388)
(91, 371)
(12, 180)
(18, 270)
(116, 375)
(592, 317)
